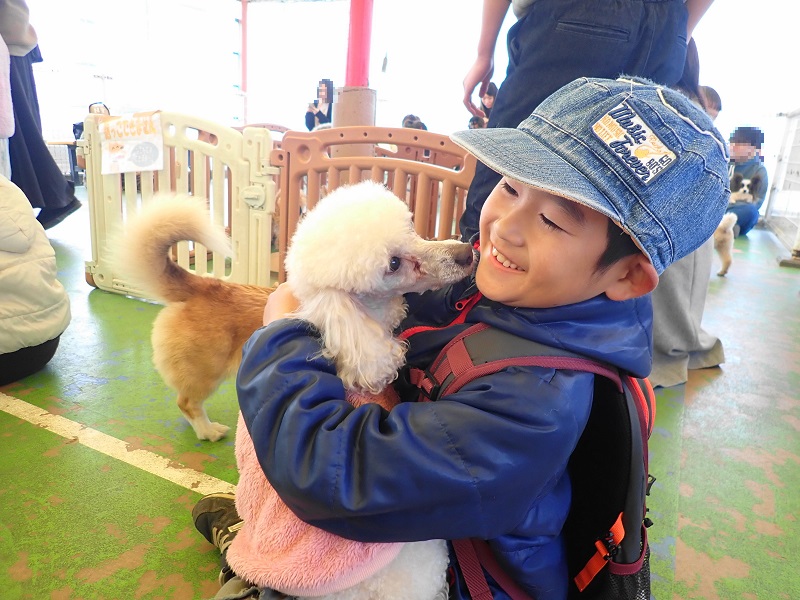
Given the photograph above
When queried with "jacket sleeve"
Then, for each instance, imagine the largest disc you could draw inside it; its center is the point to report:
(763, 187)
(471, 464)
(310, 120)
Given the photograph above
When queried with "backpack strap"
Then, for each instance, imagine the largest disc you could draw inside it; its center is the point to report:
(473, 556)
(481, 350)
(605, 550)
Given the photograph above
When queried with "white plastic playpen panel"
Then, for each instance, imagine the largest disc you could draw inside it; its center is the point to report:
(228, 168)
(783, 208)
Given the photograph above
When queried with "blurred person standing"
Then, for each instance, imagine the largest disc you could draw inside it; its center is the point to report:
(33, 168)
(556, 41)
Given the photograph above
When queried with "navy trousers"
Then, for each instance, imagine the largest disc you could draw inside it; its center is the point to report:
(559, 41)
(33, 168)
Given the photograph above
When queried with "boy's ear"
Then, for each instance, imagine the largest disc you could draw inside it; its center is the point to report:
(636, 277)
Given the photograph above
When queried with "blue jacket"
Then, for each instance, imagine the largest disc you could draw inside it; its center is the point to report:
(488, 461)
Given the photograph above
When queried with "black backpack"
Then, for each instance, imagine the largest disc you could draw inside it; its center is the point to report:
(606, 536)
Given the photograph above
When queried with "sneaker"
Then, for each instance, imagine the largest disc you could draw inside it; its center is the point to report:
(216, 518)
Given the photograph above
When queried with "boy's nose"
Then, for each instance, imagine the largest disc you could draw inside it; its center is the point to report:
(509, 228)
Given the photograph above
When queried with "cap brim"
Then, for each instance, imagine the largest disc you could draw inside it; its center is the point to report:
(522, 157)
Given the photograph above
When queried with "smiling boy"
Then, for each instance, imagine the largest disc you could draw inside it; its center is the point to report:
(572, 241)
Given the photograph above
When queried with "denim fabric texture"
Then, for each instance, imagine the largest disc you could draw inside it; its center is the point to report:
(557, 41)
(641, 154)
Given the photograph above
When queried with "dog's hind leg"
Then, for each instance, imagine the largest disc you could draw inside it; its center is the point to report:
(195, 413)
(726, 264)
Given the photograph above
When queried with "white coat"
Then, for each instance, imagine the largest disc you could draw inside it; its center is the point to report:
(34, 306)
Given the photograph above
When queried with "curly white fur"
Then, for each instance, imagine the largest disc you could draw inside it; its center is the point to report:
(355, 296)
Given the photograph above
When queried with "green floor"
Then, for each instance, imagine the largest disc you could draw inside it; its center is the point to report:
(76, 523)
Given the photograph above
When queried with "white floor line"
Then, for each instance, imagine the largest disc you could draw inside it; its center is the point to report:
(110, 446)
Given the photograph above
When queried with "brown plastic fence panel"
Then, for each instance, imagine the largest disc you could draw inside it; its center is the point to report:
(428, 170)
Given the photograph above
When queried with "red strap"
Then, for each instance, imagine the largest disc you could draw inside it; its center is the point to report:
(601, 557)
(471, 570)
(473, 555)
(463, 306)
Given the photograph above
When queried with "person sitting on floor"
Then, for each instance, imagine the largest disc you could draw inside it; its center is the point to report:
(747, 165)
(34, 306)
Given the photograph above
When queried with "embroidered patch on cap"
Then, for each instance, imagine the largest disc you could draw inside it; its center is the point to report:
(639, 149)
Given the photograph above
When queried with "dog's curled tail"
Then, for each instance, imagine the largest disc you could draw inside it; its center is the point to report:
(144, 253)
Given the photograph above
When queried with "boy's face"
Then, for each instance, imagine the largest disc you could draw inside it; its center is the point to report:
(741, 152)
(539, 250)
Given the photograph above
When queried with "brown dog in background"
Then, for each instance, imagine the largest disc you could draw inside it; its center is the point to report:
(198, 335)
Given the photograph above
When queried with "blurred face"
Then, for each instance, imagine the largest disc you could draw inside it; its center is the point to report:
(488, 101)
(742, 152)
(322, 93)
(539, 250)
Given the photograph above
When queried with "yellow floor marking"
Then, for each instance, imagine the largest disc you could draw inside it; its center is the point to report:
(110, 446)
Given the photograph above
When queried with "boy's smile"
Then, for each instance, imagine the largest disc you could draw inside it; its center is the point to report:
(539, 250)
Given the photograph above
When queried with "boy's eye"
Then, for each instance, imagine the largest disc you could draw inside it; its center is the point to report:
(549, 224)
(508, 189)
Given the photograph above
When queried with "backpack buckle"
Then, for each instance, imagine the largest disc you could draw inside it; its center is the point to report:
(429, 388)
(607, 547)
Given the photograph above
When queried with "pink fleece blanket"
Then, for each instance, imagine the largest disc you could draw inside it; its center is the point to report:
(277, 550)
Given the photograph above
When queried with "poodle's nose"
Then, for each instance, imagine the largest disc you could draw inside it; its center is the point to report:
(464, 256)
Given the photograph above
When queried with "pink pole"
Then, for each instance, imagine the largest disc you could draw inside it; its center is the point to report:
(357, 74)
(243, 59)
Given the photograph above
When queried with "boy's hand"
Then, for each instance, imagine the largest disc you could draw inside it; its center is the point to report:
(280, 303)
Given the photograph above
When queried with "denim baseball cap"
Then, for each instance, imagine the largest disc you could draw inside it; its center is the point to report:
(642, 154)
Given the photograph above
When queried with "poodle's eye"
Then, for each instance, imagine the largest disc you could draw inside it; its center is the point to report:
(394, 263)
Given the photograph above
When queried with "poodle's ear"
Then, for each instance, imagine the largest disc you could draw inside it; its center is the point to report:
(367, 356)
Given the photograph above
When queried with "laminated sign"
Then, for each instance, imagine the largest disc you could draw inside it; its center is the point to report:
(131, 143)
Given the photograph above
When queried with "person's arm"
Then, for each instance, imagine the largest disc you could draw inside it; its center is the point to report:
(763, 186)
(310, 118)
(494, 13)
(696, 10)
(424, 470)
(15, 27)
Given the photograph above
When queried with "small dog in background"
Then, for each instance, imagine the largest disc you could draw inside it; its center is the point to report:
(744, 190)
(723, 242)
